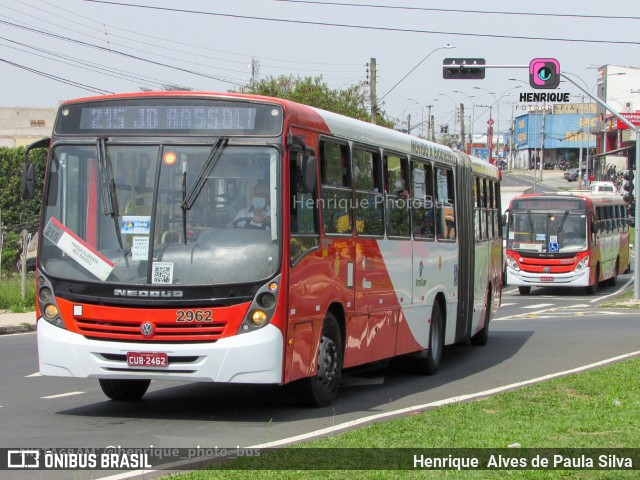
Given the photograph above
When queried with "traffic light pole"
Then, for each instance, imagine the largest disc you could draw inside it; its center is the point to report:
(636, 240)
(474, 69)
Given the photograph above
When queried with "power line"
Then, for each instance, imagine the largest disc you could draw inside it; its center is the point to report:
(365, 27)
(116, 52)
(173, 41)
(56, 78)
(455, 10)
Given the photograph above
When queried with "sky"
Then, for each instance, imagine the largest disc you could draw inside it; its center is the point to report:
(53, 50)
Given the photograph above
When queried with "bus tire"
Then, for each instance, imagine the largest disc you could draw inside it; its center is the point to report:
(613, 280)
(591, 289)
(124, 390)
(322, 388)
(429, 362)
(482, 337)
(524, 290)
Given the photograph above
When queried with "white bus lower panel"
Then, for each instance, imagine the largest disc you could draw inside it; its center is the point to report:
(247, 358)
(571, 279)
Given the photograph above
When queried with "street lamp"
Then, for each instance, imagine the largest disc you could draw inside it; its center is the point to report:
(447, 46)
(421, 112)
(455, 109)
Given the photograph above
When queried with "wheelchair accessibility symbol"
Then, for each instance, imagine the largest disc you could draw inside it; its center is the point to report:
(553, 247)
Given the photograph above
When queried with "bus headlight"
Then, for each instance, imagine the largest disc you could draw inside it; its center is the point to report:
(258, 317)
(582, 264)
(511, 263)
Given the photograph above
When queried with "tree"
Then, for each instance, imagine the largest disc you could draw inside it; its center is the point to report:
(18, 214)
(315, 92)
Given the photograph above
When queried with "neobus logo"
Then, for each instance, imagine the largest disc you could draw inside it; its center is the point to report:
(148, 293)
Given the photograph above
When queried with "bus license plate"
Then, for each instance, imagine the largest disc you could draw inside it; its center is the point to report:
(147, 359)
(546, 279)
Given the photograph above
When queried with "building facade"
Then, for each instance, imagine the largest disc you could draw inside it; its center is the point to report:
(20, 126)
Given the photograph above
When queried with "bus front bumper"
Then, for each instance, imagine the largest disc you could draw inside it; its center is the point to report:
(571, 279)
(254, 357)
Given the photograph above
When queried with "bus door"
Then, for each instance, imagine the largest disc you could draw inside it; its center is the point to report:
(372, 328)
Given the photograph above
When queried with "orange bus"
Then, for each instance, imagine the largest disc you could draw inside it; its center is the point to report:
(578, 239)
(244, 239)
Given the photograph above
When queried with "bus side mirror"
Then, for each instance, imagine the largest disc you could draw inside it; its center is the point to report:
(28, 180)
(504, 219)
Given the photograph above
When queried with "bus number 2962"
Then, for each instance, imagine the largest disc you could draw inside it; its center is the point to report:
(194, 316)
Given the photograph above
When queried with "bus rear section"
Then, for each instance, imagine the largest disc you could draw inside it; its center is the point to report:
(566, 241)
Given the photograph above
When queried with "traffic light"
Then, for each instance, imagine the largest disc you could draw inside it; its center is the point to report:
(627, 186)
(468, 69)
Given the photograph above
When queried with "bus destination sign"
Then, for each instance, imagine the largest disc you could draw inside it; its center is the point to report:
(202, 117)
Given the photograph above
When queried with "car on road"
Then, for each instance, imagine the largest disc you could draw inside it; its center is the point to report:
(605, 188)
(571, 175)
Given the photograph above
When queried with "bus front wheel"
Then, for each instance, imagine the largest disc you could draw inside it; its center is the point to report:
(322, 388)
(524, 290)
(124, 390)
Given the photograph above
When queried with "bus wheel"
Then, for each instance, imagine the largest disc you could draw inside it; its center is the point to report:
(524, 290)
(591, 289)
(613, 280)
(321, 389)
(429, 361)
(482, 337)
(126, 390)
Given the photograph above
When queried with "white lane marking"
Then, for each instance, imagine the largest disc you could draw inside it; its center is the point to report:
(37, 374)
(417, 408)
(507, 304)
(60, 395)
(539, 305)
(617, 292)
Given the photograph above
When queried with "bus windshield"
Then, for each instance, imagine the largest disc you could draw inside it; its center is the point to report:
(161, 214)
(547, 232)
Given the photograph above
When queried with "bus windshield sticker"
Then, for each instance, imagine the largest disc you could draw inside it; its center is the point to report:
(78, 249)
(140, 248)
(135, 225)
(162, 273)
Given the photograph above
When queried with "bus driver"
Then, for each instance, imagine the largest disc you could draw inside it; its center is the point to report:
(258, 215)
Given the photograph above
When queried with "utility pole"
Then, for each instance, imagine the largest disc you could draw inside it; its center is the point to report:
(429, 123)
(409, 124)
(372, 91)
(542, 145)
(255, 70)
(463, 141)
(432, 120)
(23, 283)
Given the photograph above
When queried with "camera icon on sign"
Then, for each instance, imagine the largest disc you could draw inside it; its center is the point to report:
(544, 73)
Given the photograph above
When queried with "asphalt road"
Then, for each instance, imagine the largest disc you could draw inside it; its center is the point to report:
(543, 333)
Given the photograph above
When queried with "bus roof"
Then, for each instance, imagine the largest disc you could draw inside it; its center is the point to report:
(323, 121)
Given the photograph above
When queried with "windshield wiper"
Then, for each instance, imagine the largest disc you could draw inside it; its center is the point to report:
(188, 199)
(108, 186)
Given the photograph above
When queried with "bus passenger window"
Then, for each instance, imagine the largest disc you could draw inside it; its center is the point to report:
(422, 204)
(397, 202)
(336, 188)
(445, 205)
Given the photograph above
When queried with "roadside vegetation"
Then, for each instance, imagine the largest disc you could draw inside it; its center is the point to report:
(595, 409)
(11, 293)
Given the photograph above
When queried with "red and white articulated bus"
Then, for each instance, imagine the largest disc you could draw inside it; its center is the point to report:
(243, 239)
(578, 239)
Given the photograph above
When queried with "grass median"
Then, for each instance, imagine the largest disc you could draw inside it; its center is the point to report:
(597, 409)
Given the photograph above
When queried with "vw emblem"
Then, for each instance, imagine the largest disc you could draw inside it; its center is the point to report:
(547, 269)
(147, 329)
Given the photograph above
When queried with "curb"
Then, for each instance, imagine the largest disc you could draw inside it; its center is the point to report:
(17, 329)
